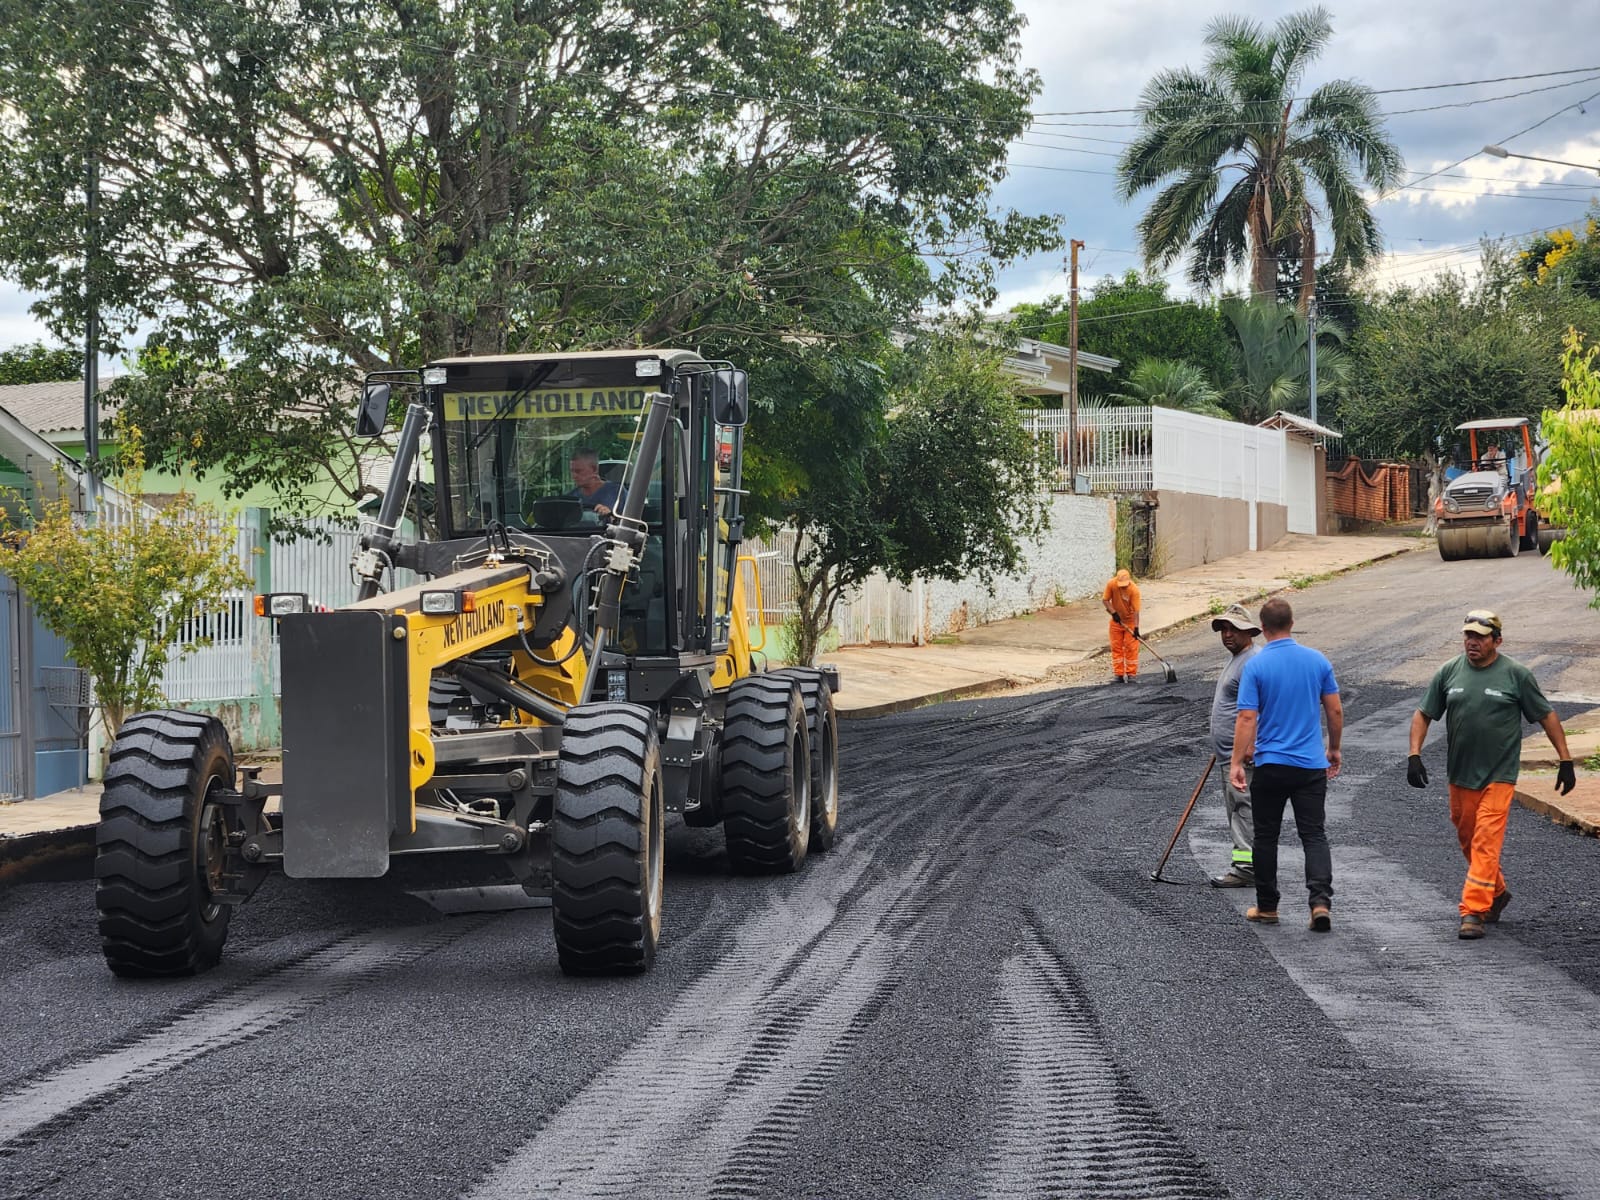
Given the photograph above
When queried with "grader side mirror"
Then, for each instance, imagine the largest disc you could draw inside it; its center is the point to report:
(730, 397)
(373, 413)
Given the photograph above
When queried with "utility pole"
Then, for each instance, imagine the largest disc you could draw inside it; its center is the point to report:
(91, 338)
(1311, 350)
(1072, 373)
(91, 261)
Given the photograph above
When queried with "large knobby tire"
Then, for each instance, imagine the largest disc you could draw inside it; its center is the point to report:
(766, 776)
(606, 850)
(822, 728)
(159, 848)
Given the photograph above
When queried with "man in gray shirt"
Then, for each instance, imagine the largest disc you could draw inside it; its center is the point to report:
(1238, 632)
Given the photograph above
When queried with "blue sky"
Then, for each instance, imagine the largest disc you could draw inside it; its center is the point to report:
(1099, 56)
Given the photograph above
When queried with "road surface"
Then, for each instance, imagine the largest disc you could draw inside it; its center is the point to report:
(978, 992)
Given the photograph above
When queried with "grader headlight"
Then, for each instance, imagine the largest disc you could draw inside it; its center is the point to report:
(281, 604)
(448, 604)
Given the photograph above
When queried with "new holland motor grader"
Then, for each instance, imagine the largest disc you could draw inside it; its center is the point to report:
(1490, 510)
(573, 666)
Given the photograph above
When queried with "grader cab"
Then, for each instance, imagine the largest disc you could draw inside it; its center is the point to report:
(575, 663)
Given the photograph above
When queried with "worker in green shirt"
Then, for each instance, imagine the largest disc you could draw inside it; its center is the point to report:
(1484, 696)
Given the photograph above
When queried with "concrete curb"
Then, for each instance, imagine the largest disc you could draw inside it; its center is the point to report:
(1553, 810)
(969, 691)
(53, 856)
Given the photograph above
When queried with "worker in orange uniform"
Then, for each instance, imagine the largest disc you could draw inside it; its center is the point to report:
(1121, 600)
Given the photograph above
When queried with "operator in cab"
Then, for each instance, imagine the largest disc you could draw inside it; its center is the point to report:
(594, 492)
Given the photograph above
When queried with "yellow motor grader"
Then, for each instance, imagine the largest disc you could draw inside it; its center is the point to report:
(1490, 509)
(575, 663)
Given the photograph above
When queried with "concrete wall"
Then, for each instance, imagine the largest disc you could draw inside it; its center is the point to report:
(1272, 523)
(1075, 557)
(1191, 529)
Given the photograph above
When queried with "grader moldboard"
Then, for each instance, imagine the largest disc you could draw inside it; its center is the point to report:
(573, 668)
(1489, 510)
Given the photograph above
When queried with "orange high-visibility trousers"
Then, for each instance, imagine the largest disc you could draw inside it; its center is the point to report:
(1124, 650)
(1479, 815)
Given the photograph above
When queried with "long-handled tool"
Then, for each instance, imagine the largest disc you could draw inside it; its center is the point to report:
(1204, 775)
(1172, 676)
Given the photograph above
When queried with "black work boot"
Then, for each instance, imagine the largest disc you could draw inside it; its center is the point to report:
(1234, 877)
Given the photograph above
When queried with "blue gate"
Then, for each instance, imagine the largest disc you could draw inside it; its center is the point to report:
(43, 705)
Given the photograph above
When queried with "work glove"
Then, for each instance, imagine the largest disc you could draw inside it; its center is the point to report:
(1416, 773)
(1566, 778)
(1116, 618)
(1135, 631)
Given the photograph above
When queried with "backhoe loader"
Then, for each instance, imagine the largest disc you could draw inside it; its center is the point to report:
(575, 663)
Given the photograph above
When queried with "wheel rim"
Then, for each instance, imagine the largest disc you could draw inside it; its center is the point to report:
(654, 855)
(801, 821)
(213, 850)
(830, 776)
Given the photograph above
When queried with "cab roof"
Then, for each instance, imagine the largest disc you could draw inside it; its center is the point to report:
(1495, 423)
(672, 358)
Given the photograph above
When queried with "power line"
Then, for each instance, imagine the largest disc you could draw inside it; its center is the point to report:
(1426, 87)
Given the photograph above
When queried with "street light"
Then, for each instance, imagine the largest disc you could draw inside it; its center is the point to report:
(1502, 152)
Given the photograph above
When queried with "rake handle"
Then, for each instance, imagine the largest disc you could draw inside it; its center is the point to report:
(1183, 820)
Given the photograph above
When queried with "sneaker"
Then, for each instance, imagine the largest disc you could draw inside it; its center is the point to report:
(1233, 877)
(1471, 927)
(1321, 919)
(1498, 907)
(1261, 918)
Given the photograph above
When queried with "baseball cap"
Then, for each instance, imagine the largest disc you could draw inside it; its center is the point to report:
(1481, 620)
(1123, 578)
(1239, 617)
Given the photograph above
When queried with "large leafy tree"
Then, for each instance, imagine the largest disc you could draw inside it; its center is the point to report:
(915, 462)
(1250, 169)
(1569, 476)
(292, 192)
(1429, 358)
(38, 363)
(1131, 319)
(1565, 259)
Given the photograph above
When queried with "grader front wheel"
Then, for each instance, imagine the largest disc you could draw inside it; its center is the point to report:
(160, 847)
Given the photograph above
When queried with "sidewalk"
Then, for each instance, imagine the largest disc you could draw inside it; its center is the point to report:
(55, 834)
(1580, 807)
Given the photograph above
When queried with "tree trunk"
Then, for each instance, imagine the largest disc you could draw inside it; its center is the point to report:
(1308, 271)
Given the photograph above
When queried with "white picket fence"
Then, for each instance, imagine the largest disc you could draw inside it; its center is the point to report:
(1114, 448)
(226, 669)
(1123, 450)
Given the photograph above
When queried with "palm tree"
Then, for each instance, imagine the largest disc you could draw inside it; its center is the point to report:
(1272, 367)
(1172, 384)
(1299, 160)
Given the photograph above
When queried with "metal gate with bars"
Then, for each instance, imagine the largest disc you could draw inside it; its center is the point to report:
(43, 704)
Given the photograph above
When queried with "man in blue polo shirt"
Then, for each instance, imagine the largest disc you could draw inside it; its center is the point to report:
(1283, 695)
